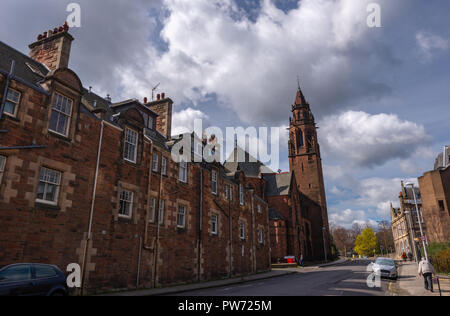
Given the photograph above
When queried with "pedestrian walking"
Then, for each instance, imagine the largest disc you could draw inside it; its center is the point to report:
(426, 270)
(302, 261)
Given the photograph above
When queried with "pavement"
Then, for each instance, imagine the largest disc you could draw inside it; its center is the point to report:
(410, 283)
(275, 273)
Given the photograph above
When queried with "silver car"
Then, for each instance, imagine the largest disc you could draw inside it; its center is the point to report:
(386, 268)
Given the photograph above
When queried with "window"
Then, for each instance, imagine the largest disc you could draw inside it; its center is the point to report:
(126, 204)
(241, 194)
(48, 188)
(12, 102)
(231, 193)
(152, 210)
(131, 142)
(261, 236)
(441, 203)
(43, 272)
(214, 181)
(215, 224)
(164, 165)
(259, 209)
(15, 274)
(61, 113)
(155, 163)
(226, 188)
(181, 216)
(242, 231)
(183, 171)
(162, 207)
(2, 167)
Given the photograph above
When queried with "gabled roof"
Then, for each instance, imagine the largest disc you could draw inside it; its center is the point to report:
(278, 184)
(251, 166)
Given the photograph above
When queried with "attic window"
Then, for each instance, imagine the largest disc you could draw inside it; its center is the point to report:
(35, 70)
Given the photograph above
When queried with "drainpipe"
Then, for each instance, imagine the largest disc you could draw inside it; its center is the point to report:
(200, 223)
(91, 215)
(253, 235)
(146, 246)
(5, 94)
(231, 232)
(155, 259)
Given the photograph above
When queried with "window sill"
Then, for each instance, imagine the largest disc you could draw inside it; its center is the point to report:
(47, 207)
(55, 134)
(11, 117)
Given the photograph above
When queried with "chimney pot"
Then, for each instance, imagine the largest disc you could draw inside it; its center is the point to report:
(60, 29)
(158, 97)
(39, 37)
(45, 35)
(55, 30)
(66, 26)
(163, 96)
(145, 100)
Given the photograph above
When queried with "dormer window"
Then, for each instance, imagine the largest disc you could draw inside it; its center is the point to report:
(61, 114)
(12, 102)
(131, 142)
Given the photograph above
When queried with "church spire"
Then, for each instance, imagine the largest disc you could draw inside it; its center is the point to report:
(300, 98)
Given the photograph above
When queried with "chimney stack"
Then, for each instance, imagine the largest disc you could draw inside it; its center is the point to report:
(145, 100)
(52, 48)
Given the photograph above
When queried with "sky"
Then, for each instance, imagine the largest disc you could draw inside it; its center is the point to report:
(380, 96)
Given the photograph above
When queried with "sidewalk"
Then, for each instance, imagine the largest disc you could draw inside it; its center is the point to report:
(410, 284)
(202, 285)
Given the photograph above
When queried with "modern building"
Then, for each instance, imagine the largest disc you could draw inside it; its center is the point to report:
(435, 188)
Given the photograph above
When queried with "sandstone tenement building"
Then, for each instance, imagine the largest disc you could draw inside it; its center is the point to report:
(88, 181)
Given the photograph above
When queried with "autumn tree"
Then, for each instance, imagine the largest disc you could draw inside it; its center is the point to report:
(343, 239)
(366, 243)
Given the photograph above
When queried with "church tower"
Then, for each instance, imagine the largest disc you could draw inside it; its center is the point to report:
(305, 160)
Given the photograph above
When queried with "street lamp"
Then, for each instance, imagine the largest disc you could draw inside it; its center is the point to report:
(420, 220)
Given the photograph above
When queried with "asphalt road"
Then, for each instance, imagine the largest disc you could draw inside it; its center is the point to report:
(348, 279)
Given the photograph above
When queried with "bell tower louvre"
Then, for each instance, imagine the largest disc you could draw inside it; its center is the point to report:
(305, 159)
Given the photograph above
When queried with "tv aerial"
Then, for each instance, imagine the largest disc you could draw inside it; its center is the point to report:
(153, 91)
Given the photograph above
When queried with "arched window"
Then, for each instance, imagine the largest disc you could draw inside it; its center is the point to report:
(300, 139)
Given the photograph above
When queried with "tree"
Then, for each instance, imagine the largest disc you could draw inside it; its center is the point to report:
(366, 243)
(385, 236)
(343, 239)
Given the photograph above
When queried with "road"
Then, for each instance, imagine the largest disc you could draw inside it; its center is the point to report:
(348, 279)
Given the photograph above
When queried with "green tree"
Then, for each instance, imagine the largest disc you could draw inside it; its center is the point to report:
(366, 243)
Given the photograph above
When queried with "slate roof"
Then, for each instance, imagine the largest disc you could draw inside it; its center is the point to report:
(278, 184)
(251, 167)
(25, 68)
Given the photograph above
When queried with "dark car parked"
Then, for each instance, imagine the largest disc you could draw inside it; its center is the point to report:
(32, 279)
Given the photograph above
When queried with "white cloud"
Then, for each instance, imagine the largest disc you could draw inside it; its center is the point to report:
(367, 140)
(213, 48)
(430, 44)
(183, 121)
(347, 217)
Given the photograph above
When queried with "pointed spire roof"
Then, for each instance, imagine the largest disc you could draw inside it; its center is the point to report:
(300, 98)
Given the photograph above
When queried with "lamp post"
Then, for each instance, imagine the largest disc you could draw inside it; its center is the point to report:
(420, 221)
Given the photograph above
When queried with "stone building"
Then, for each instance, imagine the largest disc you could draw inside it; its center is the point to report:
(88, 181)
(405, 222)
(435, 188)
(296, 199)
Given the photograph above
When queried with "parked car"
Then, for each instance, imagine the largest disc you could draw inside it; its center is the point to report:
(31, 279)
(386, 268)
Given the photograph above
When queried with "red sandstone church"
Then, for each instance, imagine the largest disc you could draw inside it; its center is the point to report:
(88, 181)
